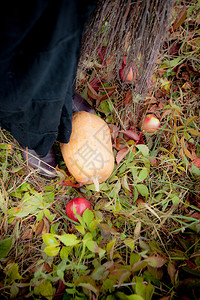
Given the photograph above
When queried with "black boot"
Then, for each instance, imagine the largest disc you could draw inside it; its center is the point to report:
(80, 104)
(45, 165)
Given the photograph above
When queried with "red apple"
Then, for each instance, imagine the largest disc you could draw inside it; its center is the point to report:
(77, 204)
(128, 74)
(129, 77)
(150, 124)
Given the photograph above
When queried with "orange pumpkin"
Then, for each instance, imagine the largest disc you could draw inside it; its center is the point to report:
(88, 155)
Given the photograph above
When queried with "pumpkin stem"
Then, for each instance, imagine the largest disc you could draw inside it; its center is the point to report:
(96, 183)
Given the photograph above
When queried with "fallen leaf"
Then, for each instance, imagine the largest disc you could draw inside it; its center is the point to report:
(43, 226)
(28, 234)
(161, 72)
(156, 261)
(171, 269)
(92, 93)
(121, 154)
(108, 93)
(187, 153)
(165, 85)
(187, 85)
(70, 181)
(180, 18)
(174, 49)
(131, 134)
(128, 97)
(114, 130)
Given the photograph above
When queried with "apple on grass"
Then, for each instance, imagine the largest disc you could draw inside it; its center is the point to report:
(150, 124)
(78, 205)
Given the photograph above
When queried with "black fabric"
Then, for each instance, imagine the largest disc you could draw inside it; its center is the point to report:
(39, 51)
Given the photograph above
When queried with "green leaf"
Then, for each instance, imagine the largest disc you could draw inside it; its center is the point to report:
(31, 204)
(69, 292)
(108, 285)
(144, 290)
(46, 289)
(139, 265)
(87, 237)
(142, 175)
(40, 216)
(175, 200)
(80, 228)
(135, 172)
(93, 247)
(64, 252)
(144, 149)
(135, 297)
(115, 190)
(171, 63)
(110, 245)
(49, 239)
(125, 183)
(135, 194)
(142, 189)
(14, 290)
(89, 286)
(134, 257)
(98, 273)
(121, 296)
(12, 272)
(48, 215)
(88, 216)
(80, 219)
(5, 246)
(104, 106)
(68, 239)
(93, 225)
(87, 282)
(130, 243)
(140, 288)
(51, 250)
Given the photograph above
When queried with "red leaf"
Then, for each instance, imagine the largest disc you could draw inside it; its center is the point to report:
(107, 95)
(128, 98)
(181, 17)
(156, 261)
(101, 52)
(174, 49)
(131, 134)
(70, 181)
(95, 84)
(91, 92)
(121, 154)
